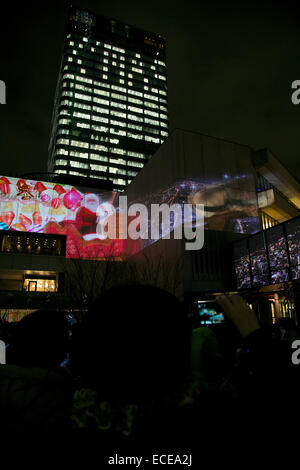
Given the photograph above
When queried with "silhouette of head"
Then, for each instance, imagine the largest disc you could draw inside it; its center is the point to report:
(134, 342)
(40, 340)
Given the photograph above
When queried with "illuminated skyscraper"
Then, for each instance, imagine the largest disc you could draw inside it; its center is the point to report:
(111, 104)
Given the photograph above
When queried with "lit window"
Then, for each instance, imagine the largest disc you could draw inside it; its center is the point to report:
(119, 151)
(136, 110)
(78, 164)
(151, 113)
(99, 147)
(77, 143)
(75, 173)
(135, 136)
(152, 139)
(119, 50)
(98, 167)
(63, 141)
(133, 92)
(134, 100)
(115, 113)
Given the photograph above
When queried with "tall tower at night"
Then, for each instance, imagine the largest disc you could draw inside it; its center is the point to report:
(111, 104)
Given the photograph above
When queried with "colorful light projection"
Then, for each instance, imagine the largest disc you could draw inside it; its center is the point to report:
(37, 206)
(229, 205)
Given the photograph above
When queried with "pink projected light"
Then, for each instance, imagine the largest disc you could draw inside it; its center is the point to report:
(44, 207)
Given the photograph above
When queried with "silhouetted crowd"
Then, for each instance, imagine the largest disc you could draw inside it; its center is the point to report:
(137, 373)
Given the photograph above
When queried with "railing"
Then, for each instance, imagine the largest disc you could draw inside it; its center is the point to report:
(263, 185)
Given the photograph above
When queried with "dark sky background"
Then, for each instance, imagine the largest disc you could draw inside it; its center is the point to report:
(230, 69)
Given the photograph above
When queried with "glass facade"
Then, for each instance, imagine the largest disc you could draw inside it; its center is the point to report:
(111, 104)
(268, 257)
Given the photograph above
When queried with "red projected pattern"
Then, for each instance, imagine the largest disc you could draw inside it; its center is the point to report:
(36, 206)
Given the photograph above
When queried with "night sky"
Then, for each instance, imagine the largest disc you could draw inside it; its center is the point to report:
(230, 69)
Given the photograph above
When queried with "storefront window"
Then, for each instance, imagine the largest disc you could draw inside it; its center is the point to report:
(40, 285)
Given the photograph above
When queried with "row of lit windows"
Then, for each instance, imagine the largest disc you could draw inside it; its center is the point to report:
(112, 112)
(98, 91)
(96, 109)
(150, 130)
(134, 109)
(95, 167)
(116, 181)
(108, 85)
(120, 59)
(103, 93)
(63, 131)
(97, 137)
(106, 120)
(114, 49)
(146, 60)
(129, 153)
(104, 68)
(110, 103)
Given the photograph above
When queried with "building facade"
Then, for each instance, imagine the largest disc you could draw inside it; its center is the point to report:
(111, 103)
(250, 203)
